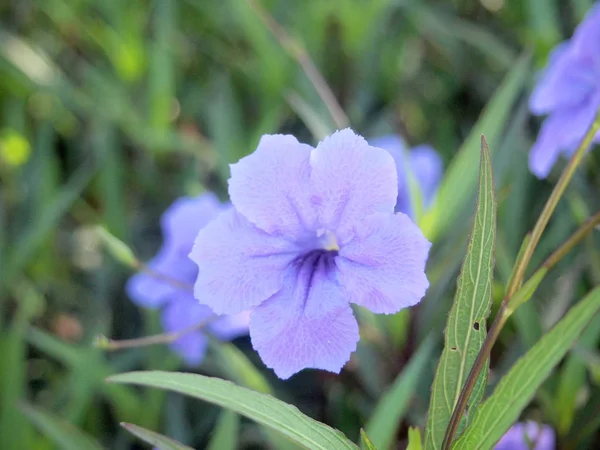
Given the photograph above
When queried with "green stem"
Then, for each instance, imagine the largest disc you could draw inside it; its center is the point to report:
(163, 338)
(550, 205)
(507, 308)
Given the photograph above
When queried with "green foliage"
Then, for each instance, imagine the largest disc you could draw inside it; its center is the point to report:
(261, 408)
(62, 433)
(109, 111)
(494, 416)
(155, 439)
(466, 328)
(392, 406)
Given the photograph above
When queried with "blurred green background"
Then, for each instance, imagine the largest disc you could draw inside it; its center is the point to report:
(110, 110)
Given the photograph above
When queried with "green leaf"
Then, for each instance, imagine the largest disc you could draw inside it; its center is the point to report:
(366, 442)
(236, 365)
(225, 436)
(33, 236)
(414, 439)
(461, 176)
(62, 433)
(495, 416)
(262, 408)
(387, 416)
(466, 326)
(154, 439)
(573, 378)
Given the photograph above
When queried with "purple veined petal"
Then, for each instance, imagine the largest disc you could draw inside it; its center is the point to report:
(428, 168)
(383, 267)
(561, 133)
(396, 147)
(566, 82)
(270, 186)
(179, 314)
(228, 327)
(521, 435)
(424, 164)
(350, 180)
(290, 335)
(151, 291)
(586, 40)
(182, 220)
(239, 265)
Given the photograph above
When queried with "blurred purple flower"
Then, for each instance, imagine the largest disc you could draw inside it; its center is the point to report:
(527, 436)
(421, 162)
(312, 230)
(180, 225)
(569, 93)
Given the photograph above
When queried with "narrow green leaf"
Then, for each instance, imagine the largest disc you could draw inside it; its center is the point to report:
(156, 440)
(466, 326)
(33, 237)
(262, 408)
(161, 71)
(14, 429)
(572, 379)
(414, 439)
(236, 365)
(225, 436)
(526, 291)
(387, 416)
(461, 177)
(366, 442)
(495, 416)
(62, 433)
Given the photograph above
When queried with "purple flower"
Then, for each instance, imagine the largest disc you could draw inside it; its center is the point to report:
(312, 230)
(527, 436)
(569, 93)
(422, 163)
(180, 310)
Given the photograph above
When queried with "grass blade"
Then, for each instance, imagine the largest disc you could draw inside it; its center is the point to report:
(386, 418)
(62, 433)
(156, 440)
(461, 176)
(225, 436)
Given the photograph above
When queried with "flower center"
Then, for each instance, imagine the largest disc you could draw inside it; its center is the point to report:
(327, 240)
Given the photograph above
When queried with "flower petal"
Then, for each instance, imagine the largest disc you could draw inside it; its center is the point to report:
(289, 338)
(180, 314)
(383, 267)
(587, 36)
(228, 327)
(239, 265)
(351, 180)
(566, 82)
(182, 220)
(520, 435)
(270, 186)
(561, 132)
(427, 167)
(152, 291)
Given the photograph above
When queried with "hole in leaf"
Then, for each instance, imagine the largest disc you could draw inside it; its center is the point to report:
(476, 326)
(453, 349)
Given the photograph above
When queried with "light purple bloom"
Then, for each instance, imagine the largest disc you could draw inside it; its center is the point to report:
(569, 93)
(422, 163)
(312, 230)
(180, 310)
(527, 436)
